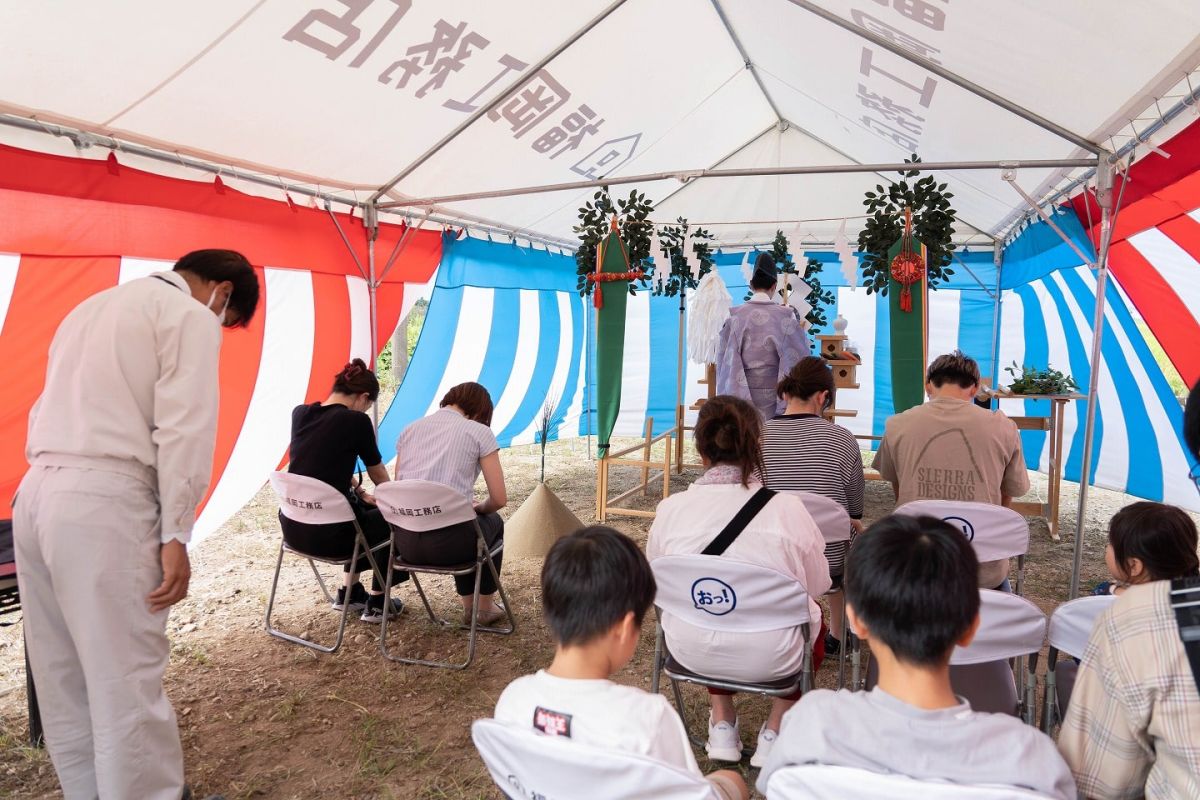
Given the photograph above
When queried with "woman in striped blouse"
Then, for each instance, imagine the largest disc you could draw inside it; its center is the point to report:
(804, 451)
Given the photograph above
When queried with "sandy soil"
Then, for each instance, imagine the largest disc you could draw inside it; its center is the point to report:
(263, 718)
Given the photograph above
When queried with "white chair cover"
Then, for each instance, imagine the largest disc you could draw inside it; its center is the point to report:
(830, 516)
(532, 766)
(308, 500)
(995, 532)
(422, 505)
(1009, 627)
(721, 594)
(1071, 623)
(821, 782)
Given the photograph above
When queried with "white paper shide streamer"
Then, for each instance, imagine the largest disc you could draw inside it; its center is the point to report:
(707, 312)
(662, 264)
(841, 246)
(693, 259)
(746, 267)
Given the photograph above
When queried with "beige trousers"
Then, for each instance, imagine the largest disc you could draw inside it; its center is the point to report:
(87, 547)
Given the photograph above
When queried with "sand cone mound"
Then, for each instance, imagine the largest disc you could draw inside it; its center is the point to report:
(541, 521)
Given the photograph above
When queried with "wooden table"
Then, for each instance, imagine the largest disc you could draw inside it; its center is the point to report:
(1053, 425)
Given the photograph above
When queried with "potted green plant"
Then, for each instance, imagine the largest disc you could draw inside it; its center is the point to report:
(1031, 380)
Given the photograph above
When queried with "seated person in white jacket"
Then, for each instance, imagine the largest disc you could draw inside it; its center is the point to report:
(596, 590)
(911, 594)
(781, 536)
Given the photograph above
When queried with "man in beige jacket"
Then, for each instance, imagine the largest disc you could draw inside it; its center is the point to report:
(120, 450)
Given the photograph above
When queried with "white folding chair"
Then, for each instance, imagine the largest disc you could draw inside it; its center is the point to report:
(996, 533)
(822, 782)
(718, 593)
(532, 766)
(834, 523)
(314, 502)
(422, 506)
(1010, 627)
(1070, 627)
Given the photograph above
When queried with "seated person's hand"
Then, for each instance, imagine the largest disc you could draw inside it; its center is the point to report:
(367, 498)
(858, 526)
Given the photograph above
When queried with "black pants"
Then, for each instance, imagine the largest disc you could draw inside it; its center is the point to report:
(447, 547)
(337, 541)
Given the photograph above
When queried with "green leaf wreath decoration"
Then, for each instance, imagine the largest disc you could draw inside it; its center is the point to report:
(933, 226)
(633, 215)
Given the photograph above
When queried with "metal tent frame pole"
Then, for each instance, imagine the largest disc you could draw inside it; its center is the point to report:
(748, 172)
(371, 223)
(495, 101)
(1104, 197)
(998, 261)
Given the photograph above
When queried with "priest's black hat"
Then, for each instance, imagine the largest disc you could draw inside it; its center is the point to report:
(765, 271)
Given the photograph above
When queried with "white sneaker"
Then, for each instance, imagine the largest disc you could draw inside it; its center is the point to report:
(766, 740)
(724, 741)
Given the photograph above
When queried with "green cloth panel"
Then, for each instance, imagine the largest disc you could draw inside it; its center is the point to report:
(908, 357)
(610, 340)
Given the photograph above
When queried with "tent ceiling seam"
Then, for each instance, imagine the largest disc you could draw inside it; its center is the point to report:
(495, 101)
(749, 62)
(187, 65)
(953, 77)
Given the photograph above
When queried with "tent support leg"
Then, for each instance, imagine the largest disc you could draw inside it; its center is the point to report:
(998, 260)
(1104, 196)
(371, 223)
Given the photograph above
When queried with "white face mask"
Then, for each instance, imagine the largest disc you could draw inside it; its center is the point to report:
(221, 316)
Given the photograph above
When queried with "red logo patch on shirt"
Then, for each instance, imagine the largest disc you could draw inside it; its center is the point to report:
(552, 723)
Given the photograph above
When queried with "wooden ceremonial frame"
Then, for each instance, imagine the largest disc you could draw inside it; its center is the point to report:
(606, 506)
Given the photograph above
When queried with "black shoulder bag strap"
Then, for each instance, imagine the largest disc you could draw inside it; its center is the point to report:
(1185, 600)
(739, 522)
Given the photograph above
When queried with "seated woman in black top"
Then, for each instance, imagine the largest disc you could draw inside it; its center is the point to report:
(328, 439)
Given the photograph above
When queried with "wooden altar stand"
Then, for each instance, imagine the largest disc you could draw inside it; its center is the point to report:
(1053, 425)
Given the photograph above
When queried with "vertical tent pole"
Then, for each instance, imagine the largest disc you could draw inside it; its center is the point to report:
(1104, 185)
(679, 372)
(371, 223)
(997, 260)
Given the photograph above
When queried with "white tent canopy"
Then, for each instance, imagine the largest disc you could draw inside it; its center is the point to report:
(349, 94)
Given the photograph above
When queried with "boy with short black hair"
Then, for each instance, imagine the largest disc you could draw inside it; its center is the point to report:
(596, 589)
(911, 593)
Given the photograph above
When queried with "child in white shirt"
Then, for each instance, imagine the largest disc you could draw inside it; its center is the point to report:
(596, 589)
(911, 593)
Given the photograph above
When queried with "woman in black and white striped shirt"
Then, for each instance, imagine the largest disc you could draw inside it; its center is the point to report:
(804, 451)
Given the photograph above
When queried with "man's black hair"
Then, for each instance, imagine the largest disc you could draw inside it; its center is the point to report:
(766, 273)
(590, 580)
(913, 583)
(957, 368)
(226, 265)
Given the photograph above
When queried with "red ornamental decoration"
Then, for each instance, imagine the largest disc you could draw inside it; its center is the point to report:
(908, 267)
(605, 277)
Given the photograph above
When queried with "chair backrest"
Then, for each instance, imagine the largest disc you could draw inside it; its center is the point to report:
(831, 517)
(309, 500)
(422, 505)
(527, 765)
(1009, 627)
(721, 594)
(1071, 623)
(821, 782)
(995, 532)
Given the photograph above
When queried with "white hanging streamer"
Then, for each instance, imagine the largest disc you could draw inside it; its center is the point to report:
(708, 308)
(841, 245)
(747, 268)
(662, 264)
(693, 259)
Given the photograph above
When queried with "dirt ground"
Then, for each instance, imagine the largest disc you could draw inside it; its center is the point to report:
(263, 718)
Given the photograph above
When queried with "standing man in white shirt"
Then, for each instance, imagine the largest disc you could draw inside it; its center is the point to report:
(120, 450)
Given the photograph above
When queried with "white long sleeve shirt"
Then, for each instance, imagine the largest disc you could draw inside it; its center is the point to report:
(133, 377)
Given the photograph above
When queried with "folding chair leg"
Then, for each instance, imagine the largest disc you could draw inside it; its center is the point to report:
(1029, 707)
(425, 600)
(657, 664)
(298, 639)
(679, 707)
(512, 621)
(842, 652)
(1050, 700)
(856, 666)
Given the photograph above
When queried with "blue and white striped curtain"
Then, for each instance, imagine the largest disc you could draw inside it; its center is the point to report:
(509, 317)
